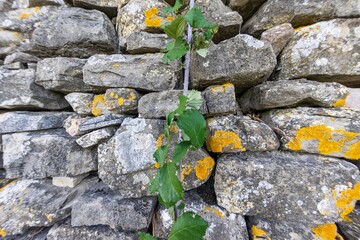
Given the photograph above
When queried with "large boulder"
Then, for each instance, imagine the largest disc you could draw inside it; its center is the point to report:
(330, 132)
(287, 186)
(326, 51)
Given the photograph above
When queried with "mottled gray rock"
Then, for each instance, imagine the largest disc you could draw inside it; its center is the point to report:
(62, 75)
(21, 57)
(22, 121)
(105, 207)
(103, 121)
(242, 60)
(34, 3)
(246, 8)
(96, 137)
(229, 21)
(351, 230)
(109, 7)
(72, 125)
(282, 186)
(227, 134)
(142, 72)
(19, 91)
(278, 36)
(11, 41)
(291, 93)
(353, 99)
(43, 154)
(14, 66)
(222, 224)
(38, 233)
(331, 132)
(74, 32)
(122, 100)
(326, 51)
(299, 13)
(68, 181)
(143, 42)
(220, 99)
(81, 103)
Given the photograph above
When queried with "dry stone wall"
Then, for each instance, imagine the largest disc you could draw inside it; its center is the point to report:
(84, 94)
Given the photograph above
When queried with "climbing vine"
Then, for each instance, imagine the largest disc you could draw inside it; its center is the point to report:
(186, 117)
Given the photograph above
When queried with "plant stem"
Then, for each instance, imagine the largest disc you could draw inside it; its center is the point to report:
(187, 57)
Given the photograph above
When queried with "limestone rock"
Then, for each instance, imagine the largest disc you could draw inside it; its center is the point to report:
(220, 99)
(291, 93)
(143, 42)
(122, 100)
(19, 91)
(11, 41)
(21, 121)
(72, 125)
(353, 99)
(108, 120)
(229, 134)
(43, 154)
(299, 13)
(286, 186)
(21, 57)
(351, 230)
(62, 75)
(109, 7)
(35, 3)
(242, 60)
(330, 132)
(326, 51)
(14, 66)
(74, 32)
(96, 137)
(278, 36)
(68, 181)
(80, 102)
(142, 72)
(245, 8)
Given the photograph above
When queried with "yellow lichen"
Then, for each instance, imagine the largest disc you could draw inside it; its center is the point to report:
(159, 141)
(222, 88)
(10, 183)
(327, 232)
(170, 18)
(340, 102)
(24, 15)
(2, 233)
(174, 129)
(132, 96)
(98, 100)
(185, 170)
(36, 9)
(157, 165)
(345, 202)
(214, 210)
(121, 101)
(151, 18)
(224, 139)
(112, 94)
(259, 233)
(152, 12)
(204, 167)
(116, 65)
(329, 140)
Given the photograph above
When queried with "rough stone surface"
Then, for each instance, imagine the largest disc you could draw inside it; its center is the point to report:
(143, 42)
(14, 66)
(246, 8)
(68, 181)
(351, 230)
(11, 41)
(96, 137)
(19, 91)
(43, 154)
(80, 102)
(21, 57)
(299, 13)
(122, 100)
(353, 99)
(62, 75)
(331, 132)
(291, 93)
(109, 7)
(72, 125)
(142, 72)
(242, 60)
(21, 121)
(229, 134)
(285, 186)
(220, 99)
(326, 51)
(103, 121)
(278, 36)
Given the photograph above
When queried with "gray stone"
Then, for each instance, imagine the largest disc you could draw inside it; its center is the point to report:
(122, 100)
(62, 75)
(282, 186)
(351, 230)
(242, 60)
(229, 134)
(96, 137)
(21, 57)
(299, 13)
(35, 3)
(103, 121)
(68, 181)
(51, 153)
(14, 66)
(278, 36)
(105, 207)
(11, 122)
(326, 52)
(142, 72)
(38, 233)
(74, 32)
(5, 5)
(11, 41)
(72, 125)
(292, 93)
(143, 42)
(109, 7)
(81, 103)
(19, 91)
(330, 132)
(220, 99)
(246, 8)
(353, 99)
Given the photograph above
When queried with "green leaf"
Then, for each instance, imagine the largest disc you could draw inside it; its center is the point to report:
(169, 122)
(188, 226)
(167, 184)
(170, 9)
(176, 28)
(195, 100)
(176, 50)
(193, 124)
(146, 236)
(182, 104)
(203, 52)
(161, 153)
(181, 206)
(196, 19)
(180, 151)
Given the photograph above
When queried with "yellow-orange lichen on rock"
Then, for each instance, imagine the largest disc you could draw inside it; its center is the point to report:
(2, 233)
(151, 18)
(157, 165)
(222, 88)
(132, 96)
(259, 234)
(327, 232)
(214, 210)
(159, 142)
(98, 100)
(121, 101)
(170, 18)
(345, 201)
(174, 129)
(353, 152)
(186, 169)
(224, 139)
(340, 103)
(24, 15)
(204, 167)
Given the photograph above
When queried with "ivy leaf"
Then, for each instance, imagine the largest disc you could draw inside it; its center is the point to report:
(170, 9)
(188, 226)
(195, 100)
(176, 28)
(180, 151)
(167, 184)
(175, 50)
(196, 19)
(193, 124)
(161, 153)
(146, 236)
(182, 104)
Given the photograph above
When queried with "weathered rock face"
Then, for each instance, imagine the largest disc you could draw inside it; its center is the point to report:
(142, 72)
(74, 32)
(96, 137)
(291, 93)
(229, 134)
(286, 187)
(314, 53)
(103, 121)
(122, 100)
(62, 75)
(80, 102)
(143, 42)
(245, 8)
(19, 91)
(39, 155)
(351, 230)
(331, 132)
(109, 7)
(242, 60)
(299, 13)
(278, 36)
(220, 99)
(353, 99)
(21, 57)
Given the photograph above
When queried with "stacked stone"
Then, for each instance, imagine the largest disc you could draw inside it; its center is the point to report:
(84, 94)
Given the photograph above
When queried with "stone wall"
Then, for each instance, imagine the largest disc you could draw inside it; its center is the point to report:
(84, 93)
